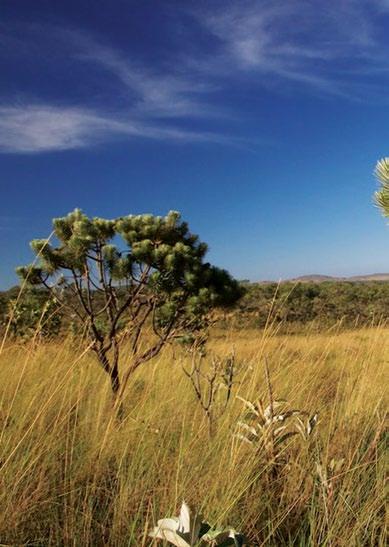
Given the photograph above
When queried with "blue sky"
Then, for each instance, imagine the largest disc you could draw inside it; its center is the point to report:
(261, 121)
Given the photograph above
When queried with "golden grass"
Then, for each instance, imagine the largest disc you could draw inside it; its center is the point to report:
(70, 475)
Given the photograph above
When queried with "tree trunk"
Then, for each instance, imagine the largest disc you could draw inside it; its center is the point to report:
(113, 372)
(115, 380)
(117, 394)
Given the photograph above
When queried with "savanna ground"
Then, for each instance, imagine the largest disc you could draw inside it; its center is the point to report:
(71, 475)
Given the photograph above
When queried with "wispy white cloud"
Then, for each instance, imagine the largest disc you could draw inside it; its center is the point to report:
(153, 93)
(323, 48)
(298, 41)
(31, 128)
(382, 5)
(151, 101)
(40, 128)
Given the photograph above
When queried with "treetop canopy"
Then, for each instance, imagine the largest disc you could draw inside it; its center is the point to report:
(158, 251)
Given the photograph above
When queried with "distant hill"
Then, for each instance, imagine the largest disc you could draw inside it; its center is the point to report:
(318, 278)
(371, 277)
(315, 278)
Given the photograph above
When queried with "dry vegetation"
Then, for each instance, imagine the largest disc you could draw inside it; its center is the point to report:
(71, 475)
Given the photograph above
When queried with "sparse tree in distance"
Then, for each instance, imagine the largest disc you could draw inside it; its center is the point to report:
(141, 279)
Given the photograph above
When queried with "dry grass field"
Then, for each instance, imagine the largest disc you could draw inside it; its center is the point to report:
(70, 474)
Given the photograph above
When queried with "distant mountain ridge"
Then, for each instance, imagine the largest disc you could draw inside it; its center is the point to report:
(318, 278)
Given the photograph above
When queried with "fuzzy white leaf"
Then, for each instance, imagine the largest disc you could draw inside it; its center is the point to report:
(184, 519)
(268, 410)
(218, 537)
(168, 524)
(171, 537)
(311, 423)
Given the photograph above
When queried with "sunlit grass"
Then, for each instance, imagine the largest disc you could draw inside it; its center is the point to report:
(71, 475)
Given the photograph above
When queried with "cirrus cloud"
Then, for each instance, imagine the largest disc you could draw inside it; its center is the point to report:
(312, 47)
(40, 128)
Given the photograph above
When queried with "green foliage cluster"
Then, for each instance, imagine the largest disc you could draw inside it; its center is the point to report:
(325, 303)
(34, 313)
(162, 246)
(5, 298)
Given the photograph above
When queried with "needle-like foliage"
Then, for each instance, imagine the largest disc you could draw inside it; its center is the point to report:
(381, 197)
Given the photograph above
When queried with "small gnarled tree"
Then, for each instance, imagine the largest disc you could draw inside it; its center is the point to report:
(140, 279)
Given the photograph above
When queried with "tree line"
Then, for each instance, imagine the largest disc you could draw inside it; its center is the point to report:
(325, 303)
(351, 302)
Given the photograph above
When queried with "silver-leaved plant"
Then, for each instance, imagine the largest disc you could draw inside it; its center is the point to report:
(189, 530)
(271, 426)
